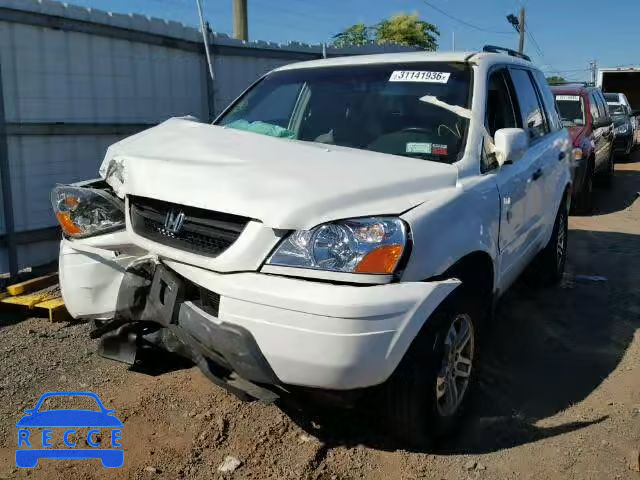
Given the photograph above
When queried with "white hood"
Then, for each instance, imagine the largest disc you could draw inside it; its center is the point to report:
(286, 184)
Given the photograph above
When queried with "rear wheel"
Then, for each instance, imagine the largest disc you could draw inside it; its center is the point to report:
(548, 266)
(607, 173)
(426, 396)
(584, 200)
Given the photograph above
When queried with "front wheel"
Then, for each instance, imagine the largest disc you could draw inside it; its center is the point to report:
(426, 395)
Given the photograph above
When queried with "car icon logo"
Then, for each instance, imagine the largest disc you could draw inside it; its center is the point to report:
(28, 452)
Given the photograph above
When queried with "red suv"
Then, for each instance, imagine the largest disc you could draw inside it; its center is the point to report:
(585, 113)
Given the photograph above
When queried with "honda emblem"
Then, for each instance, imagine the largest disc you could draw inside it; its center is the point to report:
(173, 221)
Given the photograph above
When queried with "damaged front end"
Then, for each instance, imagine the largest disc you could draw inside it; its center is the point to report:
(157, 308)
(134, 302)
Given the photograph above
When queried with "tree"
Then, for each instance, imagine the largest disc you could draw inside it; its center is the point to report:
(555, 80)
(400, 29)
(358, 34)
(403, 29)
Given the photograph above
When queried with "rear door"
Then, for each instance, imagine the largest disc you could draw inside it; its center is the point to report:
(600, 131)
(609, 134)
(555, 159)
(540, 156)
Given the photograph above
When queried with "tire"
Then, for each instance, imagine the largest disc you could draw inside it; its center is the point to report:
(418, 406)
(548, 266)
(607, 174)
(584, 200)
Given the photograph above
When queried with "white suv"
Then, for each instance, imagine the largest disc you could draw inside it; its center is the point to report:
(345, 223)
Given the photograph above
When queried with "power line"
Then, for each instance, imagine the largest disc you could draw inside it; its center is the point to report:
(463, 22)
(535, 43)
(540, 52)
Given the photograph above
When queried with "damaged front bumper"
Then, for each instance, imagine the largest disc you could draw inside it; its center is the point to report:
(254, 332)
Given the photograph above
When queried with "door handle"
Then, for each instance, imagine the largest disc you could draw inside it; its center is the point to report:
(536, 175)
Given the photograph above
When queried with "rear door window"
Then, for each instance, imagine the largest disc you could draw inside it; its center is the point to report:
(553, 116)
(596, 112)
(533, 118)
(604, 108)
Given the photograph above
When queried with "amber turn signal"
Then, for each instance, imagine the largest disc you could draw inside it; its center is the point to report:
(67, 224)
(381, 260)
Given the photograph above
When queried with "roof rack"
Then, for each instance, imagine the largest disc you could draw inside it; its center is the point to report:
(508, 51)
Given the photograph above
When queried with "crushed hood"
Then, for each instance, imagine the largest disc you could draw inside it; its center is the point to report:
(286, 184)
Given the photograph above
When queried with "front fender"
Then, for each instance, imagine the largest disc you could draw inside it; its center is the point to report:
(451, 225)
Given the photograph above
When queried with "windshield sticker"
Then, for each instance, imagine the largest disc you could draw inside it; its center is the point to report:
(419, 76)
(416, 147)
(567, 98)
(438, 149)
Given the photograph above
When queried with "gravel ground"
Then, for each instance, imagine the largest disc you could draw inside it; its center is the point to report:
(559, 393)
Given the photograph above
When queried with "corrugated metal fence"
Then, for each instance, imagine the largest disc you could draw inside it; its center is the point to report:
(75, 80)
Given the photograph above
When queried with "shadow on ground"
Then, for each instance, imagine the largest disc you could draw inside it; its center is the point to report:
(620, 195)
(10, 315)
(546, 350)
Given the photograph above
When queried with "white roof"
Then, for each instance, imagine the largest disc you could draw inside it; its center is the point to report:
(405, 57)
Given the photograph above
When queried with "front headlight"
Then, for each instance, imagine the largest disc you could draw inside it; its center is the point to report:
(622, 129)
(83, 212)
(361, 245)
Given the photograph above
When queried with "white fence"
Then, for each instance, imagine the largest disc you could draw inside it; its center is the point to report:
(74, 80)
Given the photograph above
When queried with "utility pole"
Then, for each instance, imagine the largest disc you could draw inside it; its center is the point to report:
(453, 41)
(240, 20)
(594, 72)
(518, 24)
(521, 28)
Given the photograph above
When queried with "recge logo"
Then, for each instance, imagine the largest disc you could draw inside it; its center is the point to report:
(31, 448)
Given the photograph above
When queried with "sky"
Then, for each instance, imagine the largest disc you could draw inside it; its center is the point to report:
(564, 35)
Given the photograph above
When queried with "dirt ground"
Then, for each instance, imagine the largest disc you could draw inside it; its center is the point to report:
(559, 389)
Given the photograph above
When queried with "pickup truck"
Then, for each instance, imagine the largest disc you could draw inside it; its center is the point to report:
(341, 231)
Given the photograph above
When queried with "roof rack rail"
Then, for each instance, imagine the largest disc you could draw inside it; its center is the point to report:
(508, 51)
(583, 84)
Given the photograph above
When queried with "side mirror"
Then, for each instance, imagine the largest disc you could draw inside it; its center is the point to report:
(603, 122)
(510, 144)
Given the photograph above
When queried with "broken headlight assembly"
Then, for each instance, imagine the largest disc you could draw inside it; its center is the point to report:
(83, 212)
(361, 245)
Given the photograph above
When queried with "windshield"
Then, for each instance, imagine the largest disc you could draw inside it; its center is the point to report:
(369, 107)
(611, 97)
(571, 110)
(617, 109)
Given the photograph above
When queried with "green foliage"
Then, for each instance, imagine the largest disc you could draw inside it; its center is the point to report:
(555, 80)
(403, 29)
(358, 34)
(400, 29)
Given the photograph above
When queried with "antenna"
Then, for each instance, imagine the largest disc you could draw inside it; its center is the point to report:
(204, 28)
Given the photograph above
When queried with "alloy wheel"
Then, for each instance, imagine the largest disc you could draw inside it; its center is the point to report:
(453, 378)
(561, 241)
